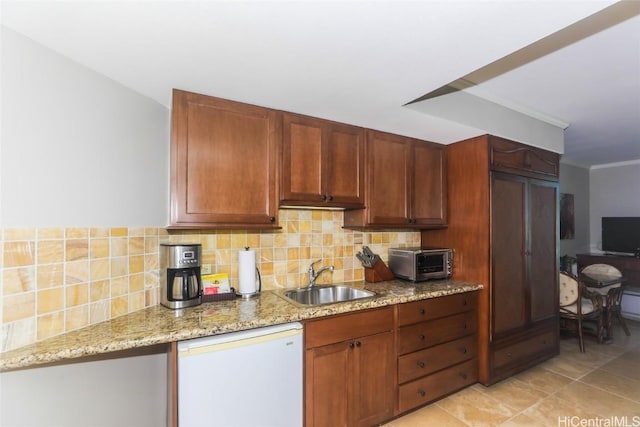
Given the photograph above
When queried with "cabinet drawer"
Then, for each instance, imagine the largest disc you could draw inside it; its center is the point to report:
(433, 332)
(521, 159)
(434, 386)
(345, 327)
(414, 312)
(525, 349)
(423, 362)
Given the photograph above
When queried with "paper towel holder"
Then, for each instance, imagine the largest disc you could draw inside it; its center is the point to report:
(257, 288)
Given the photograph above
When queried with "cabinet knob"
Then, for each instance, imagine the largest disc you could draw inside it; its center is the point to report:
(463, 375)
(464, 350)
(422, 337)
(351, 345)
(330, 198)
(423, 311)
(464, 325)
(272, 219)
(421, 364)
(464, 303)
(422, 393)
(324, 197)
(358, 343)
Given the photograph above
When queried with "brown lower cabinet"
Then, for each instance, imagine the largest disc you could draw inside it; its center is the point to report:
(364, 368)
(350, 369)
(437, 348)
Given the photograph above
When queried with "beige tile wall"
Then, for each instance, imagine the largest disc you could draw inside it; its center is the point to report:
(55, 280)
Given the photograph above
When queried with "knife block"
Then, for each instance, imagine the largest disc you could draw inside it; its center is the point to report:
(379, 273)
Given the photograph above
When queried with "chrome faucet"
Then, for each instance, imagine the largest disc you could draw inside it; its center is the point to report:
(313, 275)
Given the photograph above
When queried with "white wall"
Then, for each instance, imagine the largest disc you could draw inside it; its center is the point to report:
(575, 180)
(78, 149)
(614, 191)
(121, 392)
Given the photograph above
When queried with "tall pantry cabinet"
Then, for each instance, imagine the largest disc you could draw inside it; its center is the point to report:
(504, 232)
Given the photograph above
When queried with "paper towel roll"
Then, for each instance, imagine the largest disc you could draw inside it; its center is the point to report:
(247, 272)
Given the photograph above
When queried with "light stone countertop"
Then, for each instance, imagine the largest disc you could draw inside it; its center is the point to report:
(160, 325)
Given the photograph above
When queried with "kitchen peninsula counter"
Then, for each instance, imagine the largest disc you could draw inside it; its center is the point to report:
(159, 325)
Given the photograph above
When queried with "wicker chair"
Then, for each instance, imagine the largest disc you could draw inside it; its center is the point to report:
(577, 305)
(612, 296)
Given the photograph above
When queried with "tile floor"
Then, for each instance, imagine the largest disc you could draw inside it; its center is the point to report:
(598, 388)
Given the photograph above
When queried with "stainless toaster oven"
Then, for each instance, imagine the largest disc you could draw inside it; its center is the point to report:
(418, 264)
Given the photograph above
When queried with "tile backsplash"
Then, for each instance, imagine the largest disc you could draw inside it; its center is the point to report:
(56, 280)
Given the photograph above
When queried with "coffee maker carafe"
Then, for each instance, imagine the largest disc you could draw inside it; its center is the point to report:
(180, 281)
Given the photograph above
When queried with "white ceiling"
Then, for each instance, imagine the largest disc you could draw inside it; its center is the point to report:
(360, 62)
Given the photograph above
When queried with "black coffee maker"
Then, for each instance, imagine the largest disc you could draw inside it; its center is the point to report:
(180, 280)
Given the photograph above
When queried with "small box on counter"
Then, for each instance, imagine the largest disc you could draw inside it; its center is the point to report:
(215, 287)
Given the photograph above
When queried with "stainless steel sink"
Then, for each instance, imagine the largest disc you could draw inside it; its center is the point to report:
(319, 295)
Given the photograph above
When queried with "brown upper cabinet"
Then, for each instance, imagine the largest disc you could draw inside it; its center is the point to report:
(224, 160)
(233, 165)
(519, 159)
(322, 163)
(406, 184)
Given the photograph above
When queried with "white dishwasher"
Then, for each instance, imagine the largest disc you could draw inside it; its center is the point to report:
(251, 379)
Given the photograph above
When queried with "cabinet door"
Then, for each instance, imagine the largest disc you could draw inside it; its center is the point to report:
(344, 166)
(428, 191)
(322, 163)
(543, 259)
(508, 293)
(328, 385)
(373, 391)
(520, 159)
(223, 163)
(388, 158)
(301, 159)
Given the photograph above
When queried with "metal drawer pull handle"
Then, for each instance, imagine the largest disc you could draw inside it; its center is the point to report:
(422, 393)
(421, 364)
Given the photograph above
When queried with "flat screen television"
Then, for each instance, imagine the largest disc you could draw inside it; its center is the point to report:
(621, 234)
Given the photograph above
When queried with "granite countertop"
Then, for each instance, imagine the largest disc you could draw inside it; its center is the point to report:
(160, 325)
